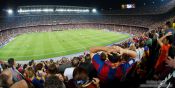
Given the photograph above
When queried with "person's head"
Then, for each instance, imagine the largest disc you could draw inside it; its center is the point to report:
(168, 24)
(24, 66)
(103, 56)
(75, 61)
(11, 62)
(31, 62)
(39, 66)
(87, 58)
(141, 44)
(64, 60)
(51, 61)
(80, 76)
(52, 69)
(53, 82)
(132, 47)
(3, 81)
(165, 41)
(114, 57)
(8, 75)
(29, 72)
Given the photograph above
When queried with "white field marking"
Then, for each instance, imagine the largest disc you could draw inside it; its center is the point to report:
(68, 49)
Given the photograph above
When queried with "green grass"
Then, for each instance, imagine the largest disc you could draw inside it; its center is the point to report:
(53, 44)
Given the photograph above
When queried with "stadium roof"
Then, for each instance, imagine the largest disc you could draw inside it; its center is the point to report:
(99, 4)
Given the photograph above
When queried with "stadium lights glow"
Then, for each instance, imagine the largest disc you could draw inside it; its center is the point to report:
(35, 10)
(72, 10)
(94, 10)
(10, 11)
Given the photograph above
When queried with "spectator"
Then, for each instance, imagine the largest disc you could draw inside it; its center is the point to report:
(52, 70)
(64, 64)
(40, 71)
(12, 71)
(112, 69)
(81, 80)
(69, 71)
(159, 66)
(31, 77)
(53, 82)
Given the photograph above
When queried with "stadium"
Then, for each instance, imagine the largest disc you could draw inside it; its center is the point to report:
(87, 44)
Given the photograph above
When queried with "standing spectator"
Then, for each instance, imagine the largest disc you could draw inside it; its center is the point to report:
(160, 64)
(114, 68)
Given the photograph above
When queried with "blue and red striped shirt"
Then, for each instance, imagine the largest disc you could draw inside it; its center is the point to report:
(106, 72)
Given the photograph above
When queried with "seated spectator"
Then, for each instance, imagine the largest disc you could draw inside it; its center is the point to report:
(69, 71)
(52, 70)
(5, 82)
(81, 80)
(31, 77)
(64, 64)
(53, 82)
(86, 64)
(40, 71)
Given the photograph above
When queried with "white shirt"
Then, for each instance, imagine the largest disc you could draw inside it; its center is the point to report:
(140, 52)
(69, 72)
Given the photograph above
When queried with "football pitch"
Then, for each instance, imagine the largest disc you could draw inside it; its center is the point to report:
(45, 45)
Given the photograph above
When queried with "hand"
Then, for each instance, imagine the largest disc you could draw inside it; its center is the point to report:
(170, 62)
(169, 34)
(96, 81)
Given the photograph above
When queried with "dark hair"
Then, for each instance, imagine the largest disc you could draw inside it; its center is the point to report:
(32, 72)
(80, 74)
(39, 66)
(31, 62)
(87, 56)
(24, 66)
(11, 62)
(75, 61)
(3, 81)
(113, 57)
(103, 56)
(141, 44)
(168, 24)
(53, 82)
(52, 69)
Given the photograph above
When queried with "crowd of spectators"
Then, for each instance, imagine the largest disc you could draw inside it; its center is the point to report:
(24, 21)
(148, 56)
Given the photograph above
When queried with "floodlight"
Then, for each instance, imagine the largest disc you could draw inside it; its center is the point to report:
(10, 11)
(94, 10)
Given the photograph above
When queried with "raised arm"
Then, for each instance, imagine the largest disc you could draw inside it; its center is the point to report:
(163, 37)
(97, 49)
(122, 51)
